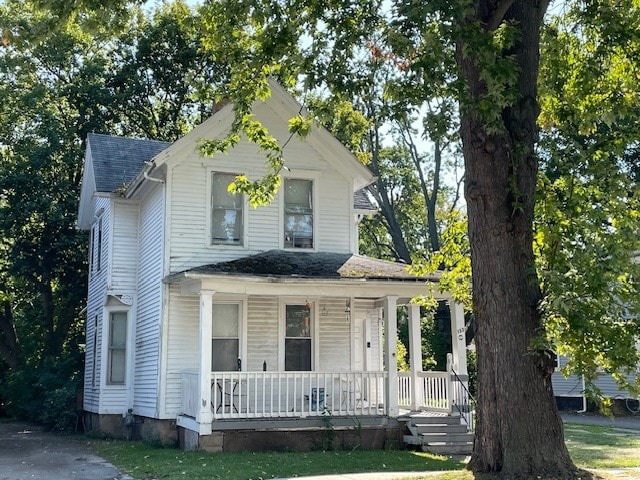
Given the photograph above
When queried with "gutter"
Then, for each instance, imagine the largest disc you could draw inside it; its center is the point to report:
(176, 277)
(141, 177)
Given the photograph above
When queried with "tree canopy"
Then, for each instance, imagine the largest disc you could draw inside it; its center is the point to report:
(551, 199)
(58, 85)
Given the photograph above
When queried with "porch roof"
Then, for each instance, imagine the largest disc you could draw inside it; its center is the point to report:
(310, 265)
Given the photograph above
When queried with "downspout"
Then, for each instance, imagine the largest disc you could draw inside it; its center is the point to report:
(584, 398)
(145, 174)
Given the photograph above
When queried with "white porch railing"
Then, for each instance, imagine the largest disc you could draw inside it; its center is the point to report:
(288, 394)
(433, 391)
(437, 392)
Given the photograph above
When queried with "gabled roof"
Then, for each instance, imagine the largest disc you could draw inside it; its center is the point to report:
(317, 265)
(117, 160)
(362, 203)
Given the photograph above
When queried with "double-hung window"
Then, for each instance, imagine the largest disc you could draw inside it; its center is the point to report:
(225, 344)
(298, 213)
(297, 342)
(117, 360)
(226, 211)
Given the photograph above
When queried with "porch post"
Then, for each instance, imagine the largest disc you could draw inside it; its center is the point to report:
(204, 415)
(415, 355)
(457, 395)
(458, 338)
(390, 339)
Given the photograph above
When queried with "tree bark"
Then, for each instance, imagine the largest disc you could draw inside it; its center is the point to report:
(9, 347)
(382, 197)
(519, 433)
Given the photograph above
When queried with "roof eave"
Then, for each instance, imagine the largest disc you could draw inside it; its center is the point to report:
(176, 277)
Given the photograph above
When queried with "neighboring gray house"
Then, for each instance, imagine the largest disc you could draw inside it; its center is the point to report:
(224, 326)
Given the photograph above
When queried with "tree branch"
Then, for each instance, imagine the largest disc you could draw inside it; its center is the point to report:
(498, 14)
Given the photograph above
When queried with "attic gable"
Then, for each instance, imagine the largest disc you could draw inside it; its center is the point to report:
(282, 106)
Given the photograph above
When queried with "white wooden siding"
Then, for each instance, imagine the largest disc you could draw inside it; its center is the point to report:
(124, 246)
(182, 345)
(334, 213)
(262, 333)
(97, 287)
(114, 399)
(334, 342)
(189, 199)
(367, 314)
(149, 301)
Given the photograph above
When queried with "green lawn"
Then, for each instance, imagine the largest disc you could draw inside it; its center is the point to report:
(591, 448)
(603, 447)
(144, 461)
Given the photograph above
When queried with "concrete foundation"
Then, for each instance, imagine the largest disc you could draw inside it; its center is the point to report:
(265, 435)
(151, 430)
(298, 440)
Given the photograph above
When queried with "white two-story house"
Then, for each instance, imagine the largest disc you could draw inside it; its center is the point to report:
(230, 327)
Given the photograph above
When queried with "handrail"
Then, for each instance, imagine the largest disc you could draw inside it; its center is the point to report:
(467, 416)
(463, 385)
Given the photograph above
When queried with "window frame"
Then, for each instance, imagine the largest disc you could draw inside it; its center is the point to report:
(96, 245)
(313, 327)
(108, 349)
(94, 344)
(238, 337)
(310, 177)
(210, 210)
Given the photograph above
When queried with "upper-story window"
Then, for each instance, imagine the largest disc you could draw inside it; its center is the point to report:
(95, 247)
(226, 211)
(99, 247)
(298, 213)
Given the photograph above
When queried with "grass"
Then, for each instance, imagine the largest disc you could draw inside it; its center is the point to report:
(595, 447)
(591, 447)
(143, 461)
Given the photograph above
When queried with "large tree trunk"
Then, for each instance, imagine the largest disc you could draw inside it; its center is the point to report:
(519, 432)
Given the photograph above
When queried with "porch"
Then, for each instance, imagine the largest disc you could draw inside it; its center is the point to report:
(328, 338)
(291, 395)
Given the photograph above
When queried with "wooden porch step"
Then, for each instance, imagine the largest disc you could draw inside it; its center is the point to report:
(431, 419)
(446, 437)
(438, 433)
(439, 427)
(446, 448)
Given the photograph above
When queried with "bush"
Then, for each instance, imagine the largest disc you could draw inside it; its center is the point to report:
(46, 394)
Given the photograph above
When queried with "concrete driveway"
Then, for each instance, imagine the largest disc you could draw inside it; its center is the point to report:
(29, 453)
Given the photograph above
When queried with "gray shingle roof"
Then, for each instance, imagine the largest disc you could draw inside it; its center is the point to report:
(361, 201)
(329, 265)
(117, 160)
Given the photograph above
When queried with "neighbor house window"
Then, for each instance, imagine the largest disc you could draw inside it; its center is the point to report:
(298, 213)
(297, 342)
(225, 344)
(117, 348)
(226, 211)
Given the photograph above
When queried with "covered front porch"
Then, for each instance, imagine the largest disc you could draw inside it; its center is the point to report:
(314, 335)
(211, 399)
